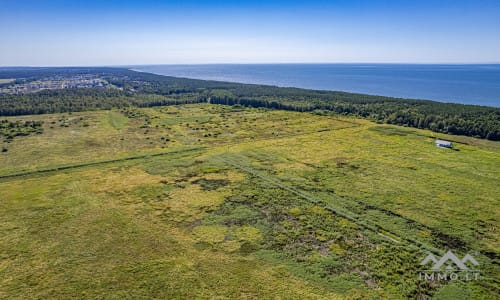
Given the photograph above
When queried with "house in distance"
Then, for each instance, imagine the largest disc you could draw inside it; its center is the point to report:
(443, 144)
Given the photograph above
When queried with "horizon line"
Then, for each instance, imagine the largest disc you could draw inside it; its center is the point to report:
(251, 63)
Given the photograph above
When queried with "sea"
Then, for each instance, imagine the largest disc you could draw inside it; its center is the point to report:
(466, 83)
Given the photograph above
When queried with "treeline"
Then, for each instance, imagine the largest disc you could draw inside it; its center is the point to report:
(55, 101)
(84, 99)
(480, 122)
(145, 90)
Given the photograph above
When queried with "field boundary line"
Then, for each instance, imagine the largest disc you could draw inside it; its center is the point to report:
(96, 163)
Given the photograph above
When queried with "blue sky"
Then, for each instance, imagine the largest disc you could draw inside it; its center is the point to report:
(175, 32)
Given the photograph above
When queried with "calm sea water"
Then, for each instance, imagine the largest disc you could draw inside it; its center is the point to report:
(468, 84)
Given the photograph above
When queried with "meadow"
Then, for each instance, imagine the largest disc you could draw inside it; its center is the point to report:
(204, 201)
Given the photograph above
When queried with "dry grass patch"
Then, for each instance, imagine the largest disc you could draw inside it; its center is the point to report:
(191, 203)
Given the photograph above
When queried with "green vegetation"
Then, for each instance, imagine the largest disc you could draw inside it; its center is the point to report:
(11, 129)
(117, 120)
(148, 90)
(214, 201)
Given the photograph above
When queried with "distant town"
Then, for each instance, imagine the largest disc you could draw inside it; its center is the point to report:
(23, 86)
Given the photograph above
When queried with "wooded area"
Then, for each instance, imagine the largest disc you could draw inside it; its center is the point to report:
(132, 88)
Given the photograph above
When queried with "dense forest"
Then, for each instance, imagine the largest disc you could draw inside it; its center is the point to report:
(130, 88)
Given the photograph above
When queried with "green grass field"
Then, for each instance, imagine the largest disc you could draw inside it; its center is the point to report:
(216, 202)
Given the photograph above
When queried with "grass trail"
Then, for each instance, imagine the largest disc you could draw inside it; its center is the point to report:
(374, 227)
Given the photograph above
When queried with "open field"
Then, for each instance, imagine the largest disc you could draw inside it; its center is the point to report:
(213, 201)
